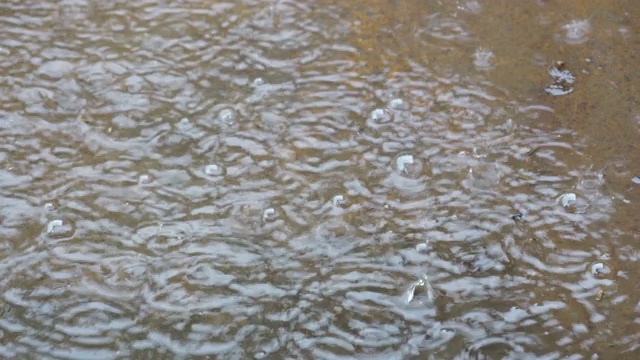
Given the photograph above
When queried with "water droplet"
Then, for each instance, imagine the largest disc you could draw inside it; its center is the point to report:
(269, 214)
(567, 199)
(397, 104)
(213, 170)
(228, 115)
(380, 116)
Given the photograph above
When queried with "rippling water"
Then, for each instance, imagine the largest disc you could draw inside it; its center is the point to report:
(319, 179)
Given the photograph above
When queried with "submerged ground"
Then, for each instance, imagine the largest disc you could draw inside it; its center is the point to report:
(319, 179)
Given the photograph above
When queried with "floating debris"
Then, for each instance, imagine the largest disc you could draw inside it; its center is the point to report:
(599, 295)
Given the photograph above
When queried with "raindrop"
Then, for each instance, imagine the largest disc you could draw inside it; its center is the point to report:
(380, 116)
(269, 214)
(228, 115)
(213, 170)
(567, 199)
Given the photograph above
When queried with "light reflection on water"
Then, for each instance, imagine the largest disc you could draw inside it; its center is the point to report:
(317, 180)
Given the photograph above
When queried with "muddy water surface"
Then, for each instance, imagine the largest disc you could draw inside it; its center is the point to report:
(319, 179)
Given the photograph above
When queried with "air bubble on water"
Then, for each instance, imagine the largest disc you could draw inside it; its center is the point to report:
(482, 58)
(421, 287)
(380, 116)
(422, 248)
(228, 115)
(591, 181)
(269, 214)
(597, 268)
(213, 170)
(53, 224)
(144, 179)
(576, 31)
(184, 124)
(397, 104)
(402, 162)
(408, 166)
(59, 229)
(257, 82)
(567, 199)
(508, 124)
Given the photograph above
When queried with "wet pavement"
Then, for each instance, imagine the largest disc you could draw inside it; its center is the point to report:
(319, 179)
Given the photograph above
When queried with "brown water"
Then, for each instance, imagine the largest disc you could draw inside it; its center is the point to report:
(319, 179)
